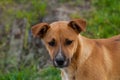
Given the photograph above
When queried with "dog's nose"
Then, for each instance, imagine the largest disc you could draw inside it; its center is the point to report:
(59, 61)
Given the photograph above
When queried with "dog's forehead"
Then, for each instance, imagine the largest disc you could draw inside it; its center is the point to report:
(60, 30)
(59, 24)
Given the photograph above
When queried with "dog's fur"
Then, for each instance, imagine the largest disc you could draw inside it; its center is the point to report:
(89, 59)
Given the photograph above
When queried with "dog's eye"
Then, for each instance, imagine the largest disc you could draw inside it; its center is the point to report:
(52, 43)
(68, 42)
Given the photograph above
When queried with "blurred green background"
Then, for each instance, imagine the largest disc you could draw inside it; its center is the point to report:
(23, 57)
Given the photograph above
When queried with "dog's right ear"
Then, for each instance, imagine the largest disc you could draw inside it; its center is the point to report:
(40, 30)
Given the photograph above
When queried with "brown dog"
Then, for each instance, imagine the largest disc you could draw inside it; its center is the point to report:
(80, 58)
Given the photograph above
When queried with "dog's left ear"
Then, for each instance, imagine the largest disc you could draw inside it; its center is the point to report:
(39, 30)
(78, 25)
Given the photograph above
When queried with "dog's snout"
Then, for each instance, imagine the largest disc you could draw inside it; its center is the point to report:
(60, 60)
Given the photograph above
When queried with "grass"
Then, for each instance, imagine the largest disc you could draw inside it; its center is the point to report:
(102, 21)
(49, 73)
(18, 75)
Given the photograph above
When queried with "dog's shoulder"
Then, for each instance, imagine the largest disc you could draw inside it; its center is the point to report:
(112, 43)
(108, 40)
(116, 38)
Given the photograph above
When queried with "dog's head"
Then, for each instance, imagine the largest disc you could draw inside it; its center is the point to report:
(60, 38)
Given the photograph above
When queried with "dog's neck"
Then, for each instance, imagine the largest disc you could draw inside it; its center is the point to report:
(86, 49)
(83, 51)
(80, 56)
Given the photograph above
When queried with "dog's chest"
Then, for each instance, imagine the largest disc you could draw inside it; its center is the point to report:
(67, 76)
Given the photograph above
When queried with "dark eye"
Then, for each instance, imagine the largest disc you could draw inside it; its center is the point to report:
(52, 42)
(68, 42)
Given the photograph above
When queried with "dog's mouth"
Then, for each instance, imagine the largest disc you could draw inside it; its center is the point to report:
(61, 63)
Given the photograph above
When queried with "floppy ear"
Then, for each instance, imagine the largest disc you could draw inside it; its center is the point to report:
(78, 25)
(40, 30)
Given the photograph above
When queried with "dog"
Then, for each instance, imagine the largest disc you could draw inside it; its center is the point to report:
(78, 57)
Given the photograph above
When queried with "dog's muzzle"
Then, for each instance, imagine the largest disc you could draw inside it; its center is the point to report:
(60, 61)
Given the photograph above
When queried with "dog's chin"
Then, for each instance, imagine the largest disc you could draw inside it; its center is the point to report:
(61, 66)
(66, 64)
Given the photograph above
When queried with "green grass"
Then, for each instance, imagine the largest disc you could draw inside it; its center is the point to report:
(25, 74)
(49, 73)
(103, 20)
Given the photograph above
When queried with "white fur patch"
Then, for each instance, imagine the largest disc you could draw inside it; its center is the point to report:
(65, 75)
